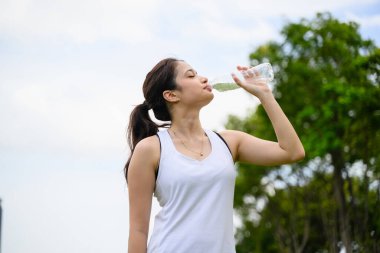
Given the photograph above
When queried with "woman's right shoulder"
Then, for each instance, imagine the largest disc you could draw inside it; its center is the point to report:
(148, 145)
(146, 153)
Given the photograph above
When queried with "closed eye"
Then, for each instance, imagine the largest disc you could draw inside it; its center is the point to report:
(191, 73)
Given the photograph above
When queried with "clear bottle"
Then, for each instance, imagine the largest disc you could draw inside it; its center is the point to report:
(263, 71)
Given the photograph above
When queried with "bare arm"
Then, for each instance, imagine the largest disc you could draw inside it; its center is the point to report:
(141, 183)
(247, 148)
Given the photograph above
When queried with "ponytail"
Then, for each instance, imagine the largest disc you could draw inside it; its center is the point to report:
(140, 127)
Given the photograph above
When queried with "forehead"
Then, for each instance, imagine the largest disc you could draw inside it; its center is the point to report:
(183, 67)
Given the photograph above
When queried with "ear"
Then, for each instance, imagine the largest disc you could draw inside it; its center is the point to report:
(170, 96)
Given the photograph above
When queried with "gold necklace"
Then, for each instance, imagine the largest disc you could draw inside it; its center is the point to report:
(183, 143)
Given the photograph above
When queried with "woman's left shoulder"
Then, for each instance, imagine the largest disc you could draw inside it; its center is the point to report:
(231, 137)
(235, 137)
(229, 134)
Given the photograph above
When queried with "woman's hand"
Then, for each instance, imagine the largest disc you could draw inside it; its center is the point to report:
(256, 86)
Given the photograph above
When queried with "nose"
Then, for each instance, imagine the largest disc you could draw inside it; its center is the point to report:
(204, 79)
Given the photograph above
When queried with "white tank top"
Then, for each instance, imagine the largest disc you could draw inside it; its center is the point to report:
(196, 199)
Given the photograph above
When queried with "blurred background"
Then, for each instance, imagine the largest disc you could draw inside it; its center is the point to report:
(71, 72)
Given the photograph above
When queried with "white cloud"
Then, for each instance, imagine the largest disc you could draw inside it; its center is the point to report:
(221, 31)
(79, 21)
(138, 21)
(365, 21)
(79, 117)
(294, 8)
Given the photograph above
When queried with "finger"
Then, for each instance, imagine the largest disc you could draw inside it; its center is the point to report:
(246, 74)
(242, 68)
(253, 72)
(237, 80)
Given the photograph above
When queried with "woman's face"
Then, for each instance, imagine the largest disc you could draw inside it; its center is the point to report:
(193, 89)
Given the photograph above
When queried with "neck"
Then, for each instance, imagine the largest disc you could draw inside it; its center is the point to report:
(187, 124)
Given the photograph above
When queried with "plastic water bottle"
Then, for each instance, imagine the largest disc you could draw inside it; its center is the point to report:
(262, 72)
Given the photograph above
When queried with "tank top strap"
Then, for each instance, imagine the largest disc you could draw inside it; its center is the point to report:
(167, 146)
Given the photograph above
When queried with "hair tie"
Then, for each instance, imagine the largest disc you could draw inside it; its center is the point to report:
(146, 105)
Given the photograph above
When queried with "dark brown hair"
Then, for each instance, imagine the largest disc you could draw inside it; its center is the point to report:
(160, 78)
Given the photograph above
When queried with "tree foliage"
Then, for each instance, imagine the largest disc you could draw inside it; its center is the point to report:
(327, 82)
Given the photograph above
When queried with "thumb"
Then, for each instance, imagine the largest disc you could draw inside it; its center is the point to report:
(237, 80)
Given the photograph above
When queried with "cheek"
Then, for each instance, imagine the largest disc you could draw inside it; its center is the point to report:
(188, 87)
(189, 94)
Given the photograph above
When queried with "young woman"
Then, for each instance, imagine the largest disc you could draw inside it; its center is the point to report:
(191, 170)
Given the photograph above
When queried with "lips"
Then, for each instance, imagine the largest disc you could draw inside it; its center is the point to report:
(208, 87)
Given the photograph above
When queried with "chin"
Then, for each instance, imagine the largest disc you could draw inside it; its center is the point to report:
(210, 98)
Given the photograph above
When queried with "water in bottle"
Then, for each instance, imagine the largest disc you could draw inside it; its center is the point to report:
(262, 72)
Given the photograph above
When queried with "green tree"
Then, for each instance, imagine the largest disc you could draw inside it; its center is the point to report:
(327, 82)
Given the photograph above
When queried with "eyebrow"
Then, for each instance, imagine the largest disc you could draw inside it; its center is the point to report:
(192, 70)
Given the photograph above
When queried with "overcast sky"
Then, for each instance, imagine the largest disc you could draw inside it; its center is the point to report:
(70, 73)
